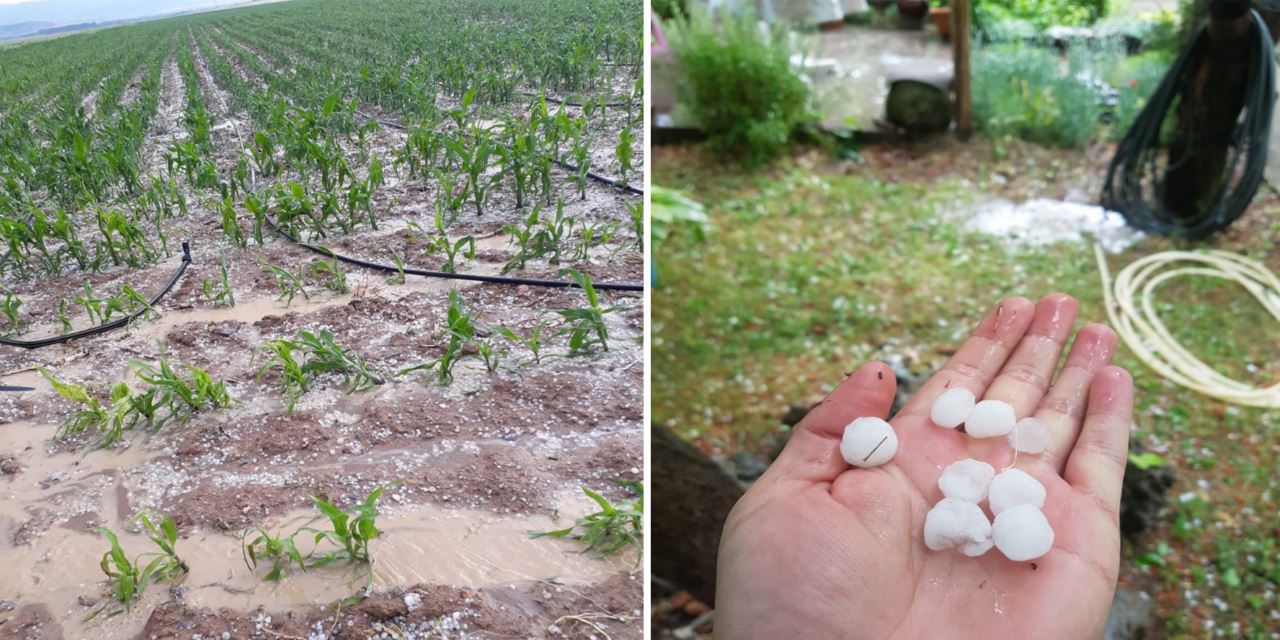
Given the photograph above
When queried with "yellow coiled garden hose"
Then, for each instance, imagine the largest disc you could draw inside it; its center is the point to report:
(1131, 309)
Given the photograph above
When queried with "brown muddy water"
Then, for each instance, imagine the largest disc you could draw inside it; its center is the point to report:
(51, 555)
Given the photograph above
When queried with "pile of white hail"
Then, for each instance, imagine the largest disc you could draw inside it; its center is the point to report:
(1020, 531)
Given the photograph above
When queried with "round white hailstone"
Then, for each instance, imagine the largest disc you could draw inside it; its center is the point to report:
(966, 480)
(990, 419)
(1029, 436)
(1012, 488)
(975, 549)
(952, 407)
(868, 442)
(956, 523)
(1022, 533)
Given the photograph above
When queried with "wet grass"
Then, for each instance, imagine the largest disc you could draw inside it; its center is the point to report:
(807, 271)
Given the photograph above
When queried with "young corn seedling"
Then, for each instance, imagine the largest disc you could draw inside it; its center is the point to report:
(330, 274)
(491, 355)
(451, 249)
(127, 302)
(280, 550)
(533, 342)
(90, 416)
(230, 226)
(460, 333)
(91, 302)
(586, 327)
(63, 318)
(290, 284)
(10, 307)
(609, 530)
(219, 293)
(320, 354)
(127, 580)
(398, 260)
(624, 153)
(180, 396)
(351, 531)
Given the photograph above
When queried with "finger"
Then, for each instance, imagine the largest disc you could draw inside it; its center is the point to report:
(1062, 409)
(813, 453)
(1096, 465)
(1024, 379)
(980, 358)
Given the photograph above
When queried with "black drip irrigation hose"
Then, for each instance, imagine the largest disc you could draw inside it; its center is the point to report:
(106, 326)
(1136, 156)
(566, 102)
(325, 251)
(6, 387)
(613, 182)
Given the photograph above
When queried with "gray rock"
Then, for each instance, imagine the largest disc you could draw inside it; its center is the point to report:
(88, 601)
(8, 605)
(1132, 617)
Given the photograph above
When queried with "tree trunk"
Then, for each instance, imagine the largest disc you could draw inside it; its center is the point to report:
(692, 496)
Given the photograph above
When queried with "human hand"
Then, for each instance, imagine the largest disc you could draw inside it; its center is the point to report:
(818, 549)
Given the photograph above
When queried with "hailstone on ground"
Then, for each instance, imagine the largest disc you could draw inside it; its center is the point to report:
(1021, 533)
(955, 523)
(1012, 488)
(952, 407)
(966, 480)
(1029, 436)
(990, 419)
(868, 442)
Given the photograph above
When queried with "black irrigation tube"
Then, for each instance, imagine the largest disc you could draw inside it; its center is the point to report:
(107, 326)
(566, 102)
(325, 251)
(613, 182)
(6, 387)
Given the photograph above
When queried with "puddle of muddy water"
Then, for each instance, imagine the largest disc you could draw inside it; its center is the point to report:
(418, 544)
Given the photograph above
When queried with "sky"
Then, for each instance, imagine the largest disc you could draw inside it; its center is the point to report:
(72, 11)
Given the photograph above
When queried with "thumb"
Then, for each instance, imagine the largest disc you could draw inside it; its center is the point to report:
(813, 453)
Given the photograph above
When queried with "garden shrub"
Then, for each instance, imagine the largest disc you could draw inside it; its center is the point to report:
(737, 79)
(1027, 92)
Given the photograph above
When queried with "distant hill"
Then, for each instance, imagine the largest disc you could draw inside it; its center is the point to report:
(20, 29)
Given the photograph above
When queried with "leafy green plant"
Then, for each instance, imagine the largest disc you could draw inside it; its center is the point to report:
(533, 342)
(586, 327)
(1027, 92)
(126, 579)
(739, 85)
(318, 354)
(10, 307)
(351, 531)
(459, 333)
(398, 260)
(290, 284)
(90, 416)
(609, 530)
(279, 549)
(330, 273)
(220, 293)
(181, 395)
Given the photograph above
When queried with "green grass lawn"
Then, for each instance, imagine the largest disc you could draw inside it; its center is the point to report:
(813, 266)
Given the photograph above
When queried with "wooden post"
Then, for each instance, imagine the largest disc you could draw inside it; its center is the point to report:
(960, 21)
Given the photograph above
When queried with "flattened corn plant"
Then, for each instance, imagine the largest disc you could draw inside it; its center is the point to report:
(168, 397)
(609, 530)
(347, 538)
(300, 361)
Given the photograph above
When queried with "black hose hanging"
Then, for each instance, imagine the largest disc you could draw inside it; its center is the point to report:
(1131, 177)
(107, 326)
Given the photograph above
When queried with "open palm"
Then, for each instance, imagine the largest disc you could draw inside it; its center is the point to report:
(817, 549)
